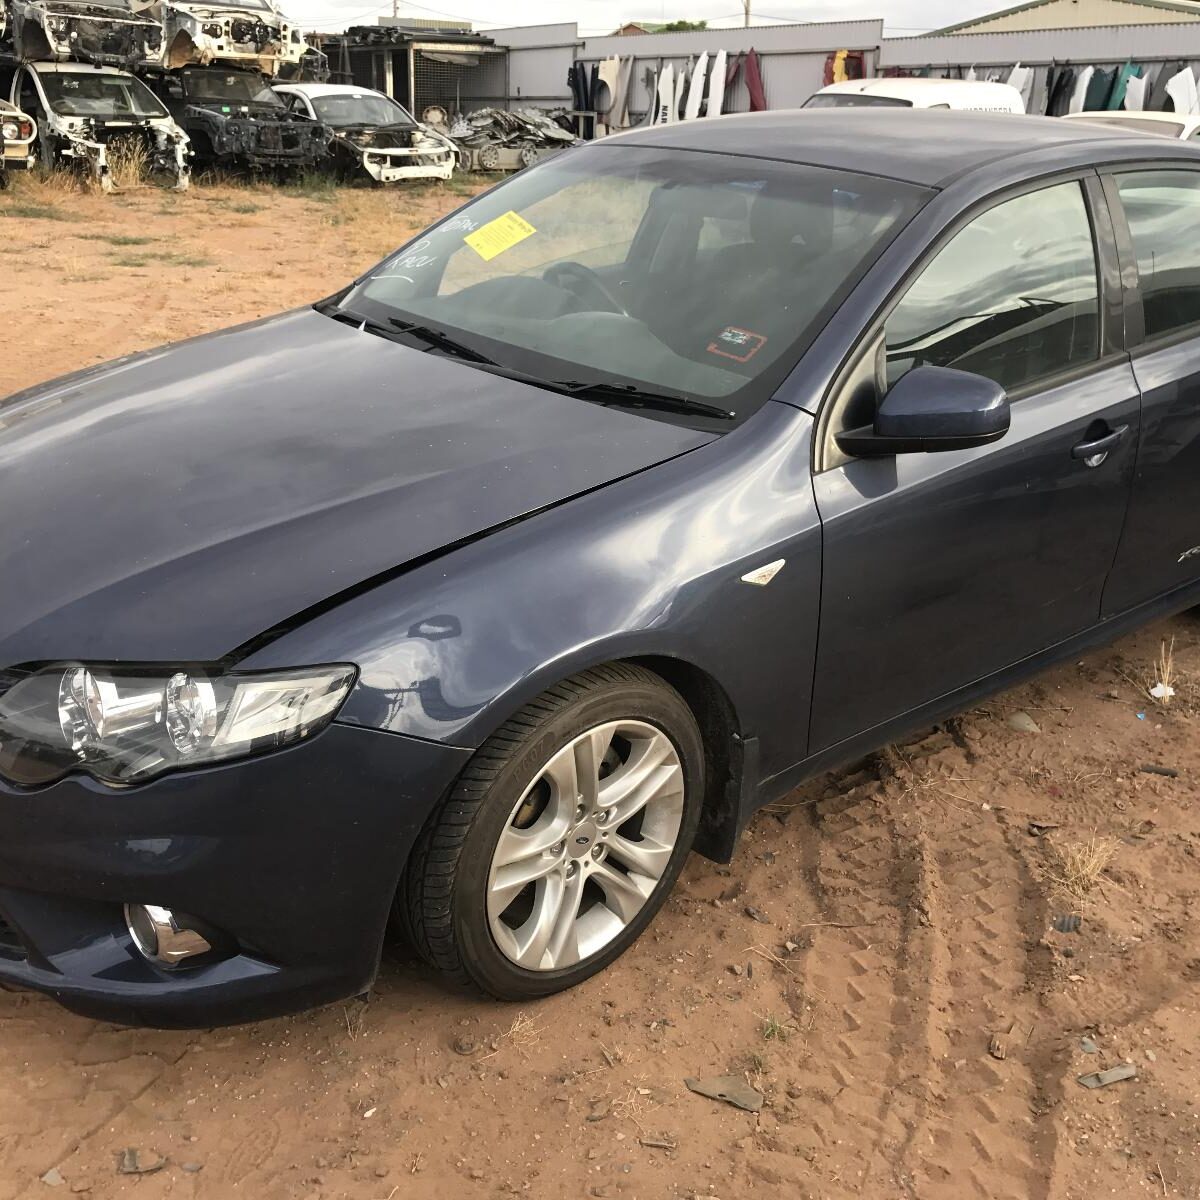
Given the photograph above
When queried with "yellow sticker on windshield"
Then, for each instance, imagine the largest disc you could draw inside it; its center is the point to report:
(499, 235)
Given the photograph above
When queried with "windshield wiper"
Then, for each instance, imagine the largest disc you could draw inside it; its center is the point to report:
(637, 397)
(626, 395)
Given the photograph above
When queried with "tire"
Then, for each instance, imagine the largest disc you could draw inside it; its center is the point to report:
(454, 900)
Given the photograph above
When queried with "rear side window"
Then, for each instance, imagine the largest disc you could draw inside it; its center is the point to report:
(1013, 296)
(1163, 211)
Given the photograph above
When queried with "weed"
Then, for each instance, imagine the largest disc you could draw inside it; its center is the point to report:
(118, 239)
(1164, 673)
(1082, 866)
(34, 212)
(128, 161)
(773, 1030)
(245, 207)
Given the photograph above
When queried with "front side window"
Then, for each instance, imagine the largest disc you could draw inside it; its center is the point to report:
(1013, 296)
(1163, 211)
(705, 274)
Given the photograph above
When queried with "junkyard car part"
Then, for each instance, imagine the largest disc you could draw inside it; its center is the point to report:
(17, 133)
(103, 32)
(86, 114)
(372, 134)
(493, 139)
(253, 33)
(235, 120)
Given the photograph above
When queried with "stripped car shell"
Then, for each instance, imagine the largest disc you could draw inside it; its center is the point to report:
(83, 111)
(102, 32)
(17, 132)
(235, 120)
(253, 33)
(372, 133)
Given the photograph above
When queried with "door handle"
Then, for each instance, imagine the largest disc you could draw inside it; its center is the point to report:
(1095, 451)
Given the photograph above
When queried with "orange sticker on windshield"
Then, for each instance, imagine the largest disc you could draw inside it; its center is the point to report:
(739, 344)
(499, 235)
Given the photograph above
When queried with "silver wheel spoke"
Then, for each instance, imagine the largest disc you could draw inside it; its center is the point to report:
(621, 892)
(549, 932)
(646, 857)
(509, 878)
(653, 772)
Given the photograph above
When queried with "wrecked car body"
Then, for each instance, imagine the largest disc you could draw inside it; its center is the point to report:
(102, 32)
(235, 120)
(494, 139)
(251, 32)
(371, 133)
(17, 131)
(87, 117)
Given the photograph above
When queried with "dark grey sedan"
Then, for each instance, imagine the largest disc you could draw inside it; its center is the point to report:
(665, 475)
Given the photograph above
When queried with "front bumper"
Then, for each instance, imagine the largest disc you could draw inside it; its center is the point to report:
(295, 856)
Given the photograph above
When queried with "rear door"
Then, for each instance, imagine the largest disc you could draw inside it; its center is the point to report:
(942, 568)
(1157, 215)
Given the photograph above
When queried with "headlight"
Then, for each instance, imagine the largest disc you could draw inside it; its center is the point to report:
(57, 24)
(213, 30)
(9, 131)
(123, 726)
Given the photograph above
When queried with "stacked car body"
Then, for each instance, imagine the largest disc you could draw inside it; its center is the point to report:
(172, 84)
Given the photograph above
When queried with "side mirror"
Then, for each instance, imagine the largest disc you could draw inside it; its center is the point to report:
(932, 408)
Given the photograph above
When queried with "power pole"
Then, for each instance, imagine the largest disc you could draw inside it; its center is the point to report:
(746, 6)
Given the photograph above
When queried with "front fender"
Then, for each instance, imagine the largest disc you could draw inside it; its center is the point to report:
(650, 565)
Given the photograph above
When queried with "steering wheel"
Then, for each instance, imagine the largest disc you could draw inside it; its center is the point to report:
(563, 274)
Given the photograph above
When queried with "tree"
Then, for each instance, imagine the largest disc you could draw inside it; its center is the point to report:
(683, 27)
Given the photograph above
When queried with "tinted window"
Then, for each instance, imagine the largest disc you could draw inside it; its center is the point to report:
(1012, 296)
(1163, 210)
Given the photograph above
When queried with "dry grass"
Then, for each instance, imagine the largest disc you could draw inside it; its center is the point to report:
(1082, 866)
(523, 1033)
(128, 162)
(1163, 688)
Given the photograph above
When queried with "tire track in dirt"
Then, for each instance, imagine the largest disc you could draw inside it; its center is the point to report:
(980, 902)
(865, 966)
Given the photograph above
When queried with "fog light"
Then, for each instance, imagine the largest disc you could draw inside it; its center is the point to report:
(162, 937)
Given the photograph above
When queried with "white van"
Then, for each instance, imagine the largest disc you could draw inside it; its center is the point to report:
(963, 94)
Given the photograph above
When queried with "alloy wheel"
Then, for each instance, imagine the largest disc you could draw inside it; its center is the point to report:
(585, 845)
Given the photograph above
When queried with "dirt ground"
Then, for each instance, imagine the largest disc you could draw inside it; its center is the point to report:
(880, 960)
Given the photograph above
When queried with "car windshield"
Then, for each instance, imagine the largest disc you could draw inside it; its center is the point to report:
(359, 108)
(703, 274)
(99, 94)
(854, 100)
(228, 87)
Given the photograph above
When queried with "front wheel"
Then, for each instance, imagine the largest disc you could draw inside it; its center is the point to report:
(562, 838)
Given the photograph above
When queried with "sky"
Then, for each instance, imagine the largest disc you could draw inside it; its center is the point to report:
(901, 17)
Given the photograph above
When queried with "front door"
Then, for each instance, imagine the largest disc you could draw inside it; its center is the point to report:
(941, 568)
(1160, 547)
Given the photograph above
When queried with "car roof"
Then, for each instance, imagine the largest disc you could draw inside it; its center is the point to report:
(326, 89)
(931, 147)
(74, 68)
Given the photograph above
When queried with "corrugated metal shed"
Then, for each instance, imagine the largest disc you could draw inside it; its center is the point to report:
(1105, 44)
(1076, 14)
